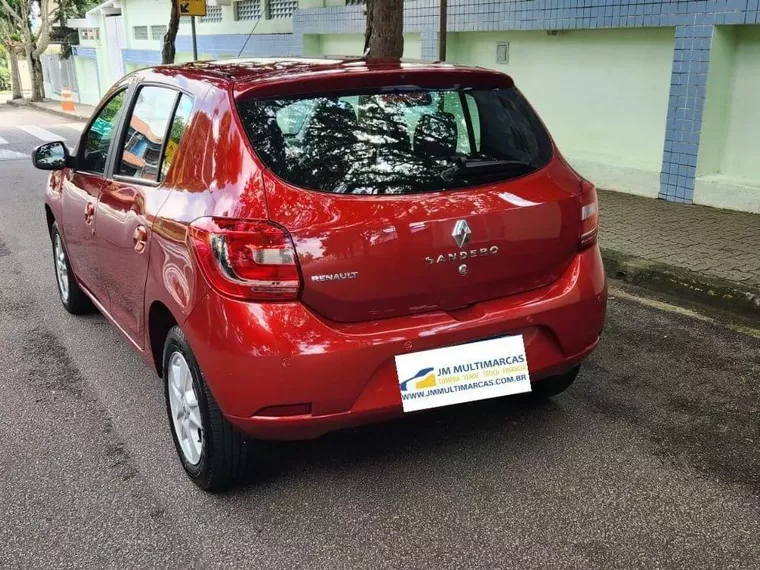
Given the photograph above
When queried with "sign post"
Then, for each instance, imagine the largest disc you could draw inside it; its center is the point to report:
(192, 8)
(442, 30)
(195, 41)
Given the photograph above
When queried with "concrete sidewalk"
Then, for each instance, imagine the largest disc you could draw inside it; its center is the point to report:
(81, 112)
(709, 254)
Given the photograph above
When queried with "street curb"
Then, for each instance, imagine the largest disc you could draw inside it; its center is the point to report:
(712, 291)
(75, 116)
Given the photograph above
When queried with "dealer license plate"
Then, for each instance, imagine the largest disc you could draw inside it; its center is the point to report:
(463, 373)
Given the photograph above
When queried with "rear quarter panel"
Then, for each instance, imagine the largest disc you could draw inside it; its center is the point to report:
(213, 175)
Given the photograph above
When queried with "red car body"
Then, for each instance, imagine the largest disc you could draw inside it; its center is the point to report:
(325, 360)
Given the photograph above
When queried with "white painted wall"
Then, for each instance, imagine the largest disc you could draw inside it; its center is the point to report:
(87, 76)
(353, 44)
(729, 193)
(728, 168)
(115, 42)
(741, 157)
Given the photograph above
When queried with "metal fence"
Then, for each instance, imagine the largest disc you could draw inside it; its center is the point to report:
(59, 73)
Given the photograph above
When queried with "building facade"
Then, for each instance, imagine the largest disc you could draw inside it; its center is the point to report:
(660, 99)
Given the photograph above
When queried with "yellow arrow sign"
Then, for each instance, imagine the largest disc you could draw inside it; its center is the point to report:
(170, 151)
(191, 7)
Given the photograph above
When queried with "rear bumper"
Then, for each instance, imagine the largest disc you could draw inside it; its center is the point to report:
(256, 356)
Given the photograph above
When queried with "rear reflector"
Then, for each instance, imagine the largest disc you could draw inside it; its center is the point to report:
(286, 410)
(246, 259)
(589, 214)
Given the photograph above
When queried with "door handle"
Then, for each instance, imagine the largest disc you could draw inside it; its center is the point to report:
(140, 237)
(89, 213)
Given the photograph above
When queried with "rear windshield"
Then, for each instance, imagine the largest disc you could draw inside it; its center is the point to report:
(397, 141)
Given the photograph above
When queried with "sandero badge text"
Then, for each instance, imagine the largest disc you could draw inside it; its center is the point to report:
(452, 375)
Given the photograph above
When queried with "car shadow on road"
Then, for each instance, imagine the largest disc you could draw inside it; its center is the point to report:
(419, 438)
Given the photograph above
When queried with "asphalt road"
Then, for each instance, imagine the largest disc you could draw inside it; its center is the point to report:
(22, 129)
(649, 461)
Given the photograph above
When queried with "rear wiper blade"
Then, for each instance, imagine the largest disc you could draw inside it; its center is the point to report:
(482, 166)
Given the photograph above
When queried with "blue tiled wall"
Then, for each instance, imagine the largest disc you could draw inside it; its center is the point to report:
(230, 44)
(141, 56)
(84, 52)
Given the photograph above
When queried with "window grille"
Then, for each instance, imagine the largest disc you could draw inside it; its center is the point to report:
(213, 14)
(158, 32)
(282, 8)
(248, 10)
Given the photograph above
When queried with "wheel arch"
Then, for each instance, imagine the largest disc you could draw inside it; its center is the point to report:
(50, 218)
(160, 322)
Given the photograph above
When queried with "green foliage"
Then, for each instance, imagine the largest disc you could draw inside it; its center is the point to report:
(5, 74)
(67, 37)
(60, 11)
(58, 32)
(7, 22)
(10, 30)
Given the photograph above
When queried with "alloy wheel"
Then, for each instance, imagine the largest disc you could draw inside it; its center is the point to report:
(183, 403)
(61, 268)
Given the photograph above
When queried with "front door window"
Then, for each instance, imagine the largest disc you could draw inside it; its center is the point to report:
(98, 138)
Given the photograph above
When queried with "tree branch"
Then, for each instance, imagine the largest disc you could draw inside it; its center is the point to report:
(5, 34)
(42, 37)
(26, 33)
(45, 26)
(44, 17)
(6, 37)
(11, 12)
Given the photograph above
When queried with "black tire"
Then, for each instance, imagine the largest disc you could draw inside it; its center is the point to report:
(225, 452)
(554, 385)
(75, 301)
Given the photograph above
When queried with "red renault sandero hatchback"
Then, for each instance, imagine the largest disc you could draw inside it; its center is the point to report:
(298, 246)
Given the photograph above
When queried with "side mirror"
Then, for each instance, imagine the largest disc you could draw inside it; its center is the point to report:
(51, 156)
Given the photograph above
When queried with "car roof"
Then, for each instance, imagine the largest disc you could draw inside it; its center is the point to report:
(270, 69)
(265, 74)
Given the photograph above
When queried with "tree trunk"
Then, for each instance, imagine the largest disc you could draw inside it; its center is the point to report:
(168, 51)
(15, 75)
(385, 40)
(35, 70)
(369, 10)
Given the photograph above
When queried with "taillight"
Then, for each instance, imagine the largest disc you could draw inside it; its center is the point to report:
(589, 214)
(246, 259)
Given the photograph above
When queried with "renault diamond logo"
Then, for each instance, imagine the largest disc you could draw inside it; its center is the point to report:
(461, 233)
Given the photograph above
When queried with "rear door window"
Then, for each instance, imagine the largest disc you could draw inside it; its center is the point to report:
(179, 124)
(397, 141)
(145, 133)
